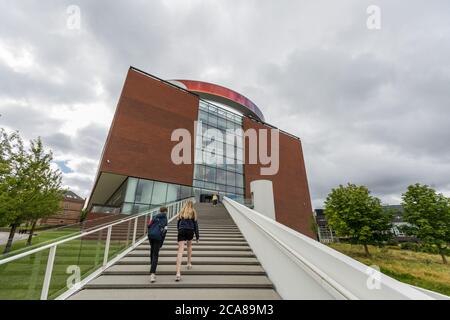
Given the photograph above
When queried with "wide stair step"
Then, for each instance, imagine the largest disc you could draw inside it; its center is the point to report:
(224, 267)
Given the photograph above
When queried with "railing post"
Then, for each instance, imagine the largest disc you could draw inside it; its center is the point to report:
(145, 224)
(108, 241)
(135, 229)
(48, 273)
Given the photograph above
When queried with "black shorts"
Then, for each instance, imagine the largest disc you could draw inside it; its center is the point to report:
(185, 235)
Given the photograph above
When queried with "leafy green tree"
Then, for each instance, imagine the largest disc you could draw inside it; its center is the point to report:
(47, 193)
(27, 184)
(428, 215)
(353, 213)
(13, 186)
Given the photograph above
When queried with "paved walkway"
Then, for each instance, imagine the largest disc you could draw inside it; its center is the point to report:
(4, 237)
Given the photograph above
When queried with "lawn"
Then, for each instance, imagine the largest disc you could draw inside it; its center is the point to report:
(416, 268)
(41, 237)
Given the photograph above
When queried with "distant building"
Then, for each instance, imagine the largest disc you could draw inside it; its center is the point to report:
(398, 223)
(70, 212)
(326, 234)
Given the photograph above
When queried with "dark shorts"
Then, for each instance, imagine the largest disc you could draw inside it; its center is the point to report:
(185, 235)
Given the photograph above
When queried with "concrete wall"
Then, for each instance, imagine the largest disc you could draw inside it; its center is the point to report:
(262, 195)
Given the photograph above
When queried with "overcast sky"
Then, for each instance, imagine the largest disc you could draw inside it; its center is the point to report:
(371, 106)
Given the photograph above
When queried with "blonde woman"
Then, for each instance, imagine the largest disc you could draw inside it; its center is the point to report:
(187, 226)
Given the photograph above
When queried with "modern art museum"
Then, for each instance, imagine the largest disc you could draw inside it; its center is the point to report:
(137, 170)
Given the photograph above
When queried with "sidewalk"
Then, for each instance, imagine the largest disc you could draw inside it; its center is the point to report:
(4, 237)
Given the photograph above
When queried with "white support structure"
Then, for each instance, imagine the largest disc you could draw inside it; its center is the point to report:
(135, 230)
(108, 243)
(48, 272)
(262, 196)
(302, 268)
(145, 224)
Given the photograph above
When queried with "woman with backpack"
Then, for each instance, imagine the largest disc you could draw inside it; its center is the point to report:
(157, 229)
(187, 226)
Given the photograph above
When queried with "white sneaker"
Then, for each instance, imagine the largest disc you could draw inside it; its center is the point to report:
(189, 266)
(152, 278)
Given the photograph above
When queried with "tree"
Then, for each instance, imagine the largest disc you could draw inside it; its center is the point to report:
(27, 184)
(84, 214)
(353, 213)
(428, 216)
(13, 186)
(47, 194)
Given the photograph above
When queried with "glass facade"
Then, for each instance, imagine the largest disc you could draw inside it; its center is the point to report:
(137, 195)
(219, 152)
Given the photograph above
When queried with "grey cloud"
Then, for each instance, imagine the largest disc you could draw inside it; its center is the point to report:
(370, 107)
(28, 121)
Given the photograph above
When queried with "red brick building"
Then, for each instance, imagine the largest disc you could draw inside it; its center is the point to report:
(136, 171)
(70, 213)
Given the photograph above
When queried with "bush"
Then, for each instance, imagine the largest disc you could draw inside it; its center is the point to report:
(410, 246)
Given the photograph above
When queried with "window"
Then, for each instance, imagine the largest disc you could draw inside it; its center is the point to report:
(173, 192)
(203, 117)
(144, 191)
(239, 180)
(159, 193)
(231, 180)
(210, 174)
(138, 208)
(199, 173)
(131, 189)
(212, 119)
(186, 192)
(221, 176)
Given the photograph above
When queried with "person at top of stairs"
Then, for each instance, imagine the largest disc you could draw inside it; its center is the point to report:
(157, 229)
(215, 199)
(187, 226)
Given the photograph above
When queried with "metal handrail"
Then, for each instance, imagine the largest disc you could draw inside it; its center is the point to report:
(60, 228)
(173, 207)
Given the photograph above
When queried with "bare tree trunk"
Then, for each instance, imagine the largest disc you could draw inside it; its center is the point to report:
(30, 237)
(442, 253)
(12, 232)
(366, 250)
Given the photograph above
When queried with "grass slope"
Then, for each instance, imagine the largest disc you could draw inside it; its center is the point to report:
(416, 268)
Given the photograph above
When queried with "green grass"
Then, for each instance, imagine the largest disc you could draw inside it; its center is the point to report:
(41, 238)
(423, 270)
(22, 279)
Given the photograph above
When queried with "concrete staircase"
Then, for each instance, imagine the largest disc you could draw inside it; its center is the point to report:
(224, 267)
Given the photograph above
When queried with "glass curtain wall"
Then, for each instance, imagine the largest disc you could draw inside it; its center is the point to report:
(219, 154)
(137, 195)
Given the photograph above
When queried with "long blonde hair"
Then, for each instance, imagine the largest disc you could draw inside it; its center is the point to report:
(187, 212)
